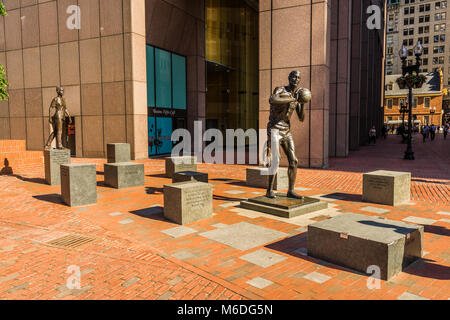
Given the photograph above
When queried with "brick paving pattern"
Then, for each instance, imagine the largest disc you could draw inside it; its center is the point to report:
(130, 251)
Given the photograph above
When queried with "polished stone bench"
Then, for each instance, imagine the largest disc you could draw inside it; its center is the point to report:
(180, 164)
(79, 184)
(53, 159)
(188, 202)
(259, 178)
(358, 242)
(387, 187)
(118, 152)
(124, 175)
(190, 176)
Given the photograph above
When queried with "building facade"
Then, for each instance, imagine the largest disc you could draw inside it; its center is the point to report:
(410, 21)
(427, 107)
(136, 70)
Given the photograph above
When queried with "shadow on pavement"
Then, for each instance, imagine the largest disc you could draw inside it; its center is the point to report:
(441, 231)
(52, 198)
(159, 175)
(151, 190)
(154, 213)
(31, 180)
(425, 268)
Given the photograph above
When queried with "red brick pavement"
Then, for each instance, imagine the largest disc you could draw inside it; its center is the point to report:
(131, 258)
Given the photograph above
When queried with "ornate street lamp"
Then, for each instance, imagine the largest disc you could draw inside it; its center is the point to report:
(411, 79)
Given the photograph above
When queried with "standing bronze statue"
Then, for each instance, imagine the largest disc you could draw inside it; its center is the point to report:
(283, 102)
(58, 119)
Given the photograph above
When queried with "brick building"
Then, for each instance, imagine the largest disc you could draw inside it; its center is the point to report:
(427, 107)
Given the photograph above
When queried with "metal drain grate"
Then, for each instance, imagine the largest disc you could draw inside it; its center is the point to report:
(70, 241)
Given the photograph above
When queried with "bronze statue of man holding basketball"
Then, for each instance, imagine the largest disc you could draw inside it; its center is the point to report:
(283, 102)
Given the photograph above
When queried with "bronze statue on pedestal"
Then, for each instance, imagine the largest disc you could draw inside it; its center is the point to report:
(58, 119)
(283, 102)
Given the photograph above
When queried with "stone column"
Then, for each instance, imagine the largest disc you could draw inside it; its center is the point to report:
(295, 35)
(340, 77)
(135, 77)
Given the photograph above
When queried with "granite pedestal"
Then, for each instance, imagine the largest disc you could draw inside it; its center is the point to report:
(180, 164)
(53, 159)
(387, 187)
(357, 242)
(124, 175)
(118, 152)
(79, 184)
(259, 178)
(188, 202)
(189, 176)
(285, 207)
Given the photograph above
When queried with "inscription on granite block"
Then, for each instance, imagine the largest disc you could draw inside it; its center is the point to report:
(118, 152)
(188, 202)
(190, 176)
(358, 241)
(79, 184)
(259, 178)
(53, 159)
(387, 187)
(124, 175)
(180, 164)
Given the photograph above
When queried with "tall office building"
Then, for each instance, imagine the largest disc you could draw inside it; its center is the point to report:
(136, 70)
(410, 21)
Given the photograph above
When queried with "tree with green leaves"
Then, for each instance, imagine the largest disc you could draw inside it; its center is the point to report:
(3, 82)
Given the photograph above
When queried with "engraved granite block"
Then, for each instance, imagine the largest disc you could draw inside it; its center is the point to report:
(190, 176)
(124, 175)
(79, 184)
(387, 187)
(118, 152)
(180, 164)
(188, 202)
(53, 159)
(358, 242)
(259, 178)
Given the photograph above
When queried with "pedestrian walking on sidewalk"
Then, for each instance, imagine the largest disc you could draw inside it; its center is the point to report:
(373, 135)
(384, 132)
(433, 132)
(423, 131)
(446, 129)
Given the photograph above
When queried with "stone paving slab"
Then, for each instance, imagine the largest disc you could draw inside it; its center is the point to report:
(244, 236)
(179, 232)
(375, 210)
(260, 283)
(263, 258)
(420, 220)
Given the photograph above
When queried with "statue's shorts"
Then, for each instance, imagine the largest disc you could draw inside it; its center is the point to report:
(283, 138)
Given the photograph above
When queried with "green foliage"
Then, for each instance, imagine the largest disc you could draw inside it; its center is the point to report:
(3, 85)
(2, 9)
(3, 81)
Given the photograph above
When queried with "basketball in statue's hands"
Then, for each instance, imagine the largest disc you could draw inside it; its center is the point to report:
(304, 95)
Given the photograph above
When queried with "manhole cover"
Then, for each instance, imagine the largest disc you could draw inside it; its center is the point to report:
(70, 241)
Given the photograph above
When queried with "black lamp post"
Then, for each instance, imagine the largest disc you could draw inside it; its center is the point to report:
(410, 70)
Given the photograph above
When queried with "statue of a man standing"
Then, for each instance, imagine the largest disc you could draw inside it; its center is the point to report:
(58, 119)
(283, 102)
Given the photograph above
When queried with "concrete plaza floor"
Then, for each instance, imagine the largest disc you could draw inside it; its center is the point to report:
(125, 249)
